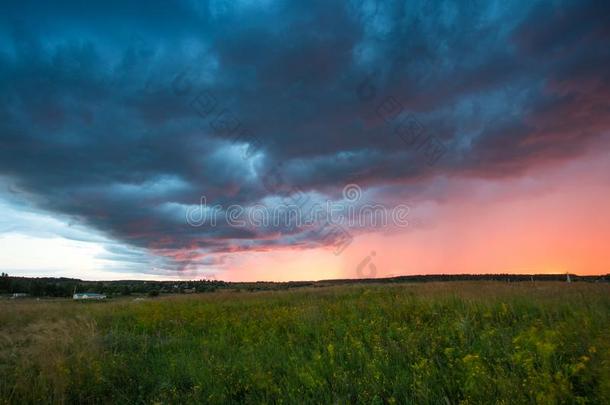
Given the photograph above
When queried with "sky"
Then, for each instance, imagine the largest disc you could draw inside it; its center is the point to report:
(303, 140)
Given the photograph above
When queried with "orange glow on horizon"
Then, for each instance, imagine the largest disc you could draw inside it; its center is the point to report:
(555, 226)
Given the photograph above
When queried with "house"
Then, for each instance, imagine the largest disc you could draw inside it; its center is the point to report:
(89, 296)
(19, 295)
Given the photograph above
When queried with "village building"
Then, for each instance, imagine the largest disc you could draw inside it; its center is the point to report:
(88, 296)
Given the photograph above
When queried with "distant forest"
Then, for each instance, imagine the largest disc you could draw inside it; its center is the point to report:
(65, 287)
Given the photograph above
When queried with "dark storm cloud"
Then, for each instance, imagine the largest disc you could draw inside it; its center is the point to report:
(97, 120)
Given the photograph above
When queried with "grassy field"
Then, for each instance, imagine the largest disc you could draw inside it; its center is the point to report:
(447, 343)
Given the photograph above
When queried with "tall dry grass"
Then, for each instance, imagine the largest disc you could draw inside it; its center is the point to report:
(49, 349)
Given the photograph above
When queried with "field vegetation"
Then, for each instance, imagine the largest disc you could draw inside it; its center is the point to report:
(448, 343)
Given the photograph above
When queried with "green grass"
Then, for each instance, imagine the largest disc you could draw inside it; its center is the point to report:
(461, 342)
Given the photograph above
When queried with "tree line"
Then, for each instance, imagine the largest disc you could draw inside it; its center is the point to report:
(65, 287)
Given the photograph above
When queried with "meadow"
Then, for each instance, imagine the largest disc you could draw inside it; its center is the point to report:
(437, 343)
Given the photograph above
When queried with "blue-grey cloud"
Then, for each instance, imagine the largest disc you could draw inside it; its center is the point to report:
(121, 115)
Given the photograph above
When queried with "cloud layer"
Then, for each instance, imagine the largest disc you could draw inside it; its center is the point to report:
(121, 116)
